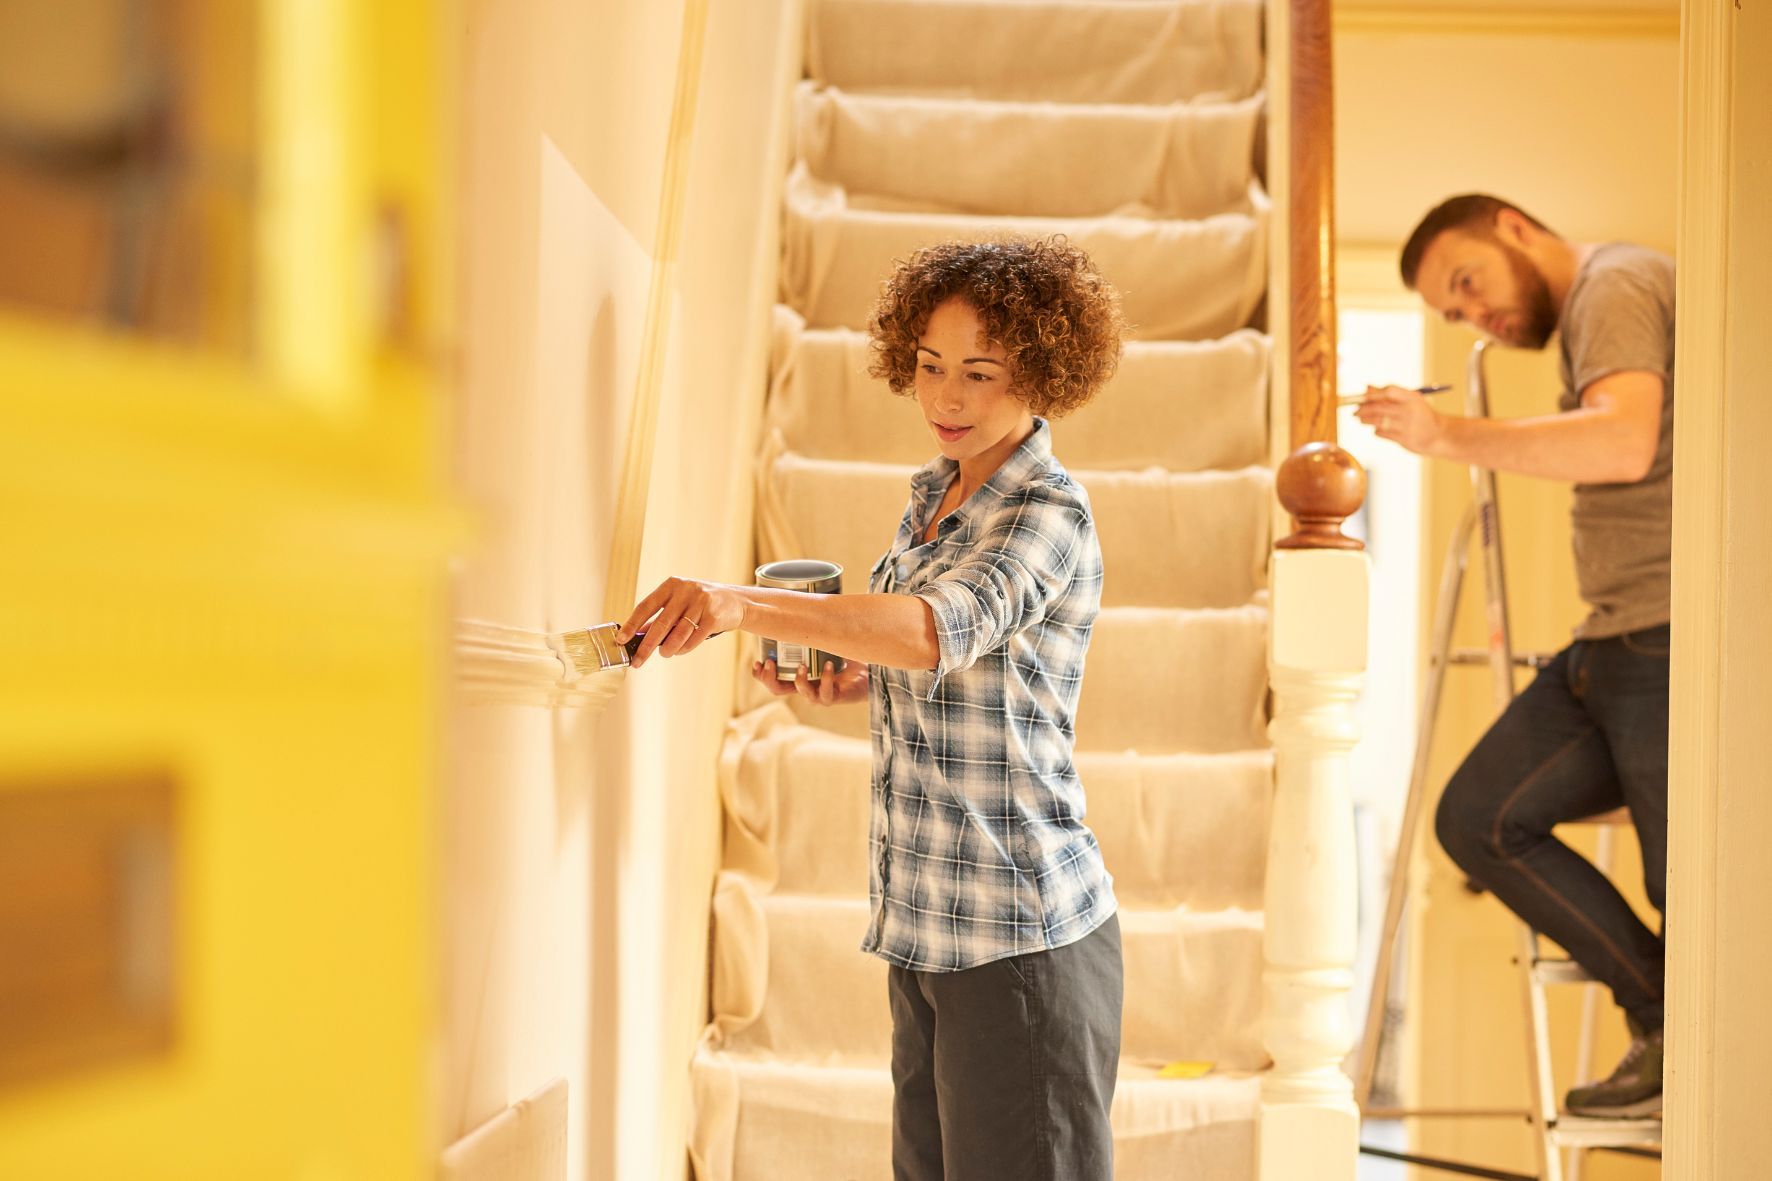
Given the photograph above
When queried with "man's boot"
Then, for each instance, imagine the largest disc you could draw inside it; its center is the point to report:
(1633, 1090)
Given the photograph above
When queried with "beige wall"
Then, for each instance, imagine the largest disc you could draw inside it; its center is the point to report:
(1580, 130)
(581, 847)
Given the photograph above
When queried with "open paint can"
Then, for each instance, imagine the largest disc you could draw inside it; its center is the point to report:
(793, 661)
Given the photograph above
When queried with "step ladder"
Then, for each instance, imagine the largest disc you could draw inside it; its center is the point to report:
(1556, 1133)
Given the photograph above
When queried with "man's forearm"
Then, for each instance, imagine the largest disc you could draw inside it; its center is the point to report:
(1584, 446)
(894, 630)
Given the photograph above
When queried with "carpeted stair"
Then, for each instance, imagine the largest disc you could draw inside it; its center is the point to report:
(1134, 128)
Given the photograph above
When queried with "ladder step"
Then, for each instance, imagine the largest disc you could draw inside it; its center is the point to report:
(1576, 1131)
(1560, 972)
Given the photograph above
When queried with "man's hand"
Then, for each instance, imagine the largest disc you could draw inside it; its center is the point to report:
(1611, 438)
(1402, 416)
(681, 615)
(833, 688)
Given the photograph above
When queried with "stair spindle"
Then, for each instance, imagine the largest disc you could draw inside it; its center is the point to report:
(1316, 651)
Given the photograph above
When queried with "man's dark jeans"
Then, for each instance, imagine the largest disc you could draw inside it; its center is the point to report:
(1588, 735)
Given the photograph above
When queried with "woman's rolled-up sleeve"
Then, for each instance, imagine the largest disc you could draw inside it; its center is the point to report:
(1022, 563)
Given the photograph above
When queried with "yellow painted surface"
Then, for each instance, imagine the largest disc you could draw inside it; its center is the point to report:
(223, 573)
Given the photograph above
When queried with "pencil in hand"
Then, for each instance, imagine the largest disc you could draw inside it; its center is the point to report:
(1360, 399)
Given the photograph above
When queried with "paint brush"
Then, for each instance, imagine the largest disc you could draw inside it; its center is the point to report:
(592, 662)
(594, 649)
(1360, 399)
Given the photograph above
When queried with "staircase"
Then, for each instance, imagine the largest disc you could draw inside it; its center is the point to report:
(1132, 127)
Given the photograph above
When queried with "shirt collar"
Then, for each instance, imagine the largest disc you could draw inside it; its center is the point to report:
(1030, 459)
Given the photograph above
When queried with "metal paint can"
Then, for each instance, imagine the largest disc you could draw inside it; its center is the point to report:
(813, 577)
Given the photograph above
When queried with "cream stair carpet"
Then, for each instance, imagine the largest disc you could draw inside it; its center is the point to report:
(1132, 127)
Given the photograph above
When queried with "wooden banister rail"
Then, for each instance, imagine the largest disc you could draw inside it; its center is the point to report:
(1316, 645)
(1310, 242)
(1319, 483)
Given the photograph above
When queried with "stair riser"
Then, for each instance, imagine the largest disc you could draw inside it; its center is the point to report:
(1192, 986)
(1029, 160)
(1183, 406)
(837, 1123)
(1175, 831)
(1156, 682)
(1178, 280)
(1166, 541)
(983, 49)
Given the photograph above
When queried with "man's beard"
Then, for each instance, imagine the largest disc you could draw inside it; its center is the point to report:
(1537, 312)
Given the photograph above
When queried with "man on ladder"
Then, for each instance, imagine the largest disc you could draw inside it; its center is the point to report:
(1589, 735)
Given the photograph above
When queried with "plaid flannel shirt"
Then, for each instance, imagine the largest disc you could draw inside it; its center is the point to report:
(977, 841)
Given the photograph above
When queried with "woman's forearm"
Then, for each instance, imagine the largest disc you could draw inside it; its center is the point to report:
(894, 630)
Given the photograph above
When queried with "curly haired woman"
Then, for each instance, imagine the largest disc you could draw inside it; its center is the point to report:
(990, 901)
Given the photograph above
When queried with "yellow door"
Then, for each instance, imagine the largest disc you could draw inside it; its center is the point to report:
(224, 525)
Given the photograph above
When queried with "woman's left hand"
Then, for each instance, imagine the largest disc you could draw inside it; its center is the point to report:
(835, 687)
(680, 615)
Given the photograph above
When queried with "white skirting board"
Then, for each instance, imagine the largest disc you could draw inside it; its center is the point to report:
(524, 1142)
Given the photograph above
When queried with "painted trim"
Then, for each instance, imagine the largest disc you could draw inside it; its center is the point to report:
(1512, 18)
(499, 664)
(505, 663)
(623, 586)
(526, 1139)
(1701, 484)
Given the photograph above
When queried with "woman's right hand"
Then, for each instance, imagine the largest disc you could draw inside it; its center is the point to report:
(833, 688)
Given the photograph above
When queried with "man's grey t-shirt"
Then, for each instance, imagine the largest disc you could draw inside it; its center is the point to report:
(1620, 316)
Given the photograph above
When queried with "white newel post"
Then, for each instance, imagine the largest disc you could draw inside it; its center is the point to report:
(1316, 658)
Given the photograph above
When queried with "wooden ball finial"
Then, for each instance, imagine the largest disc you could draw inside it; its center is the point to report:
(1321, 486)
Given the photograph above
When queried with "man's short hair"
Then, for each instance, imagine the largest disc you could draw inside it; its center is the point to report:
(1474, 213)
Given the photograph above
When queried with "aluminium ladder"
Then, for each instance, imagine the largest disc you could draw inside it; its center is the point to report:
(1553, 1129)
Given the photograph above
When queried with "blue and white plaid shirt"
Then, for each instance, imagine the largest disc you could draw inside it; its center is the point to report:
(979, 850)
